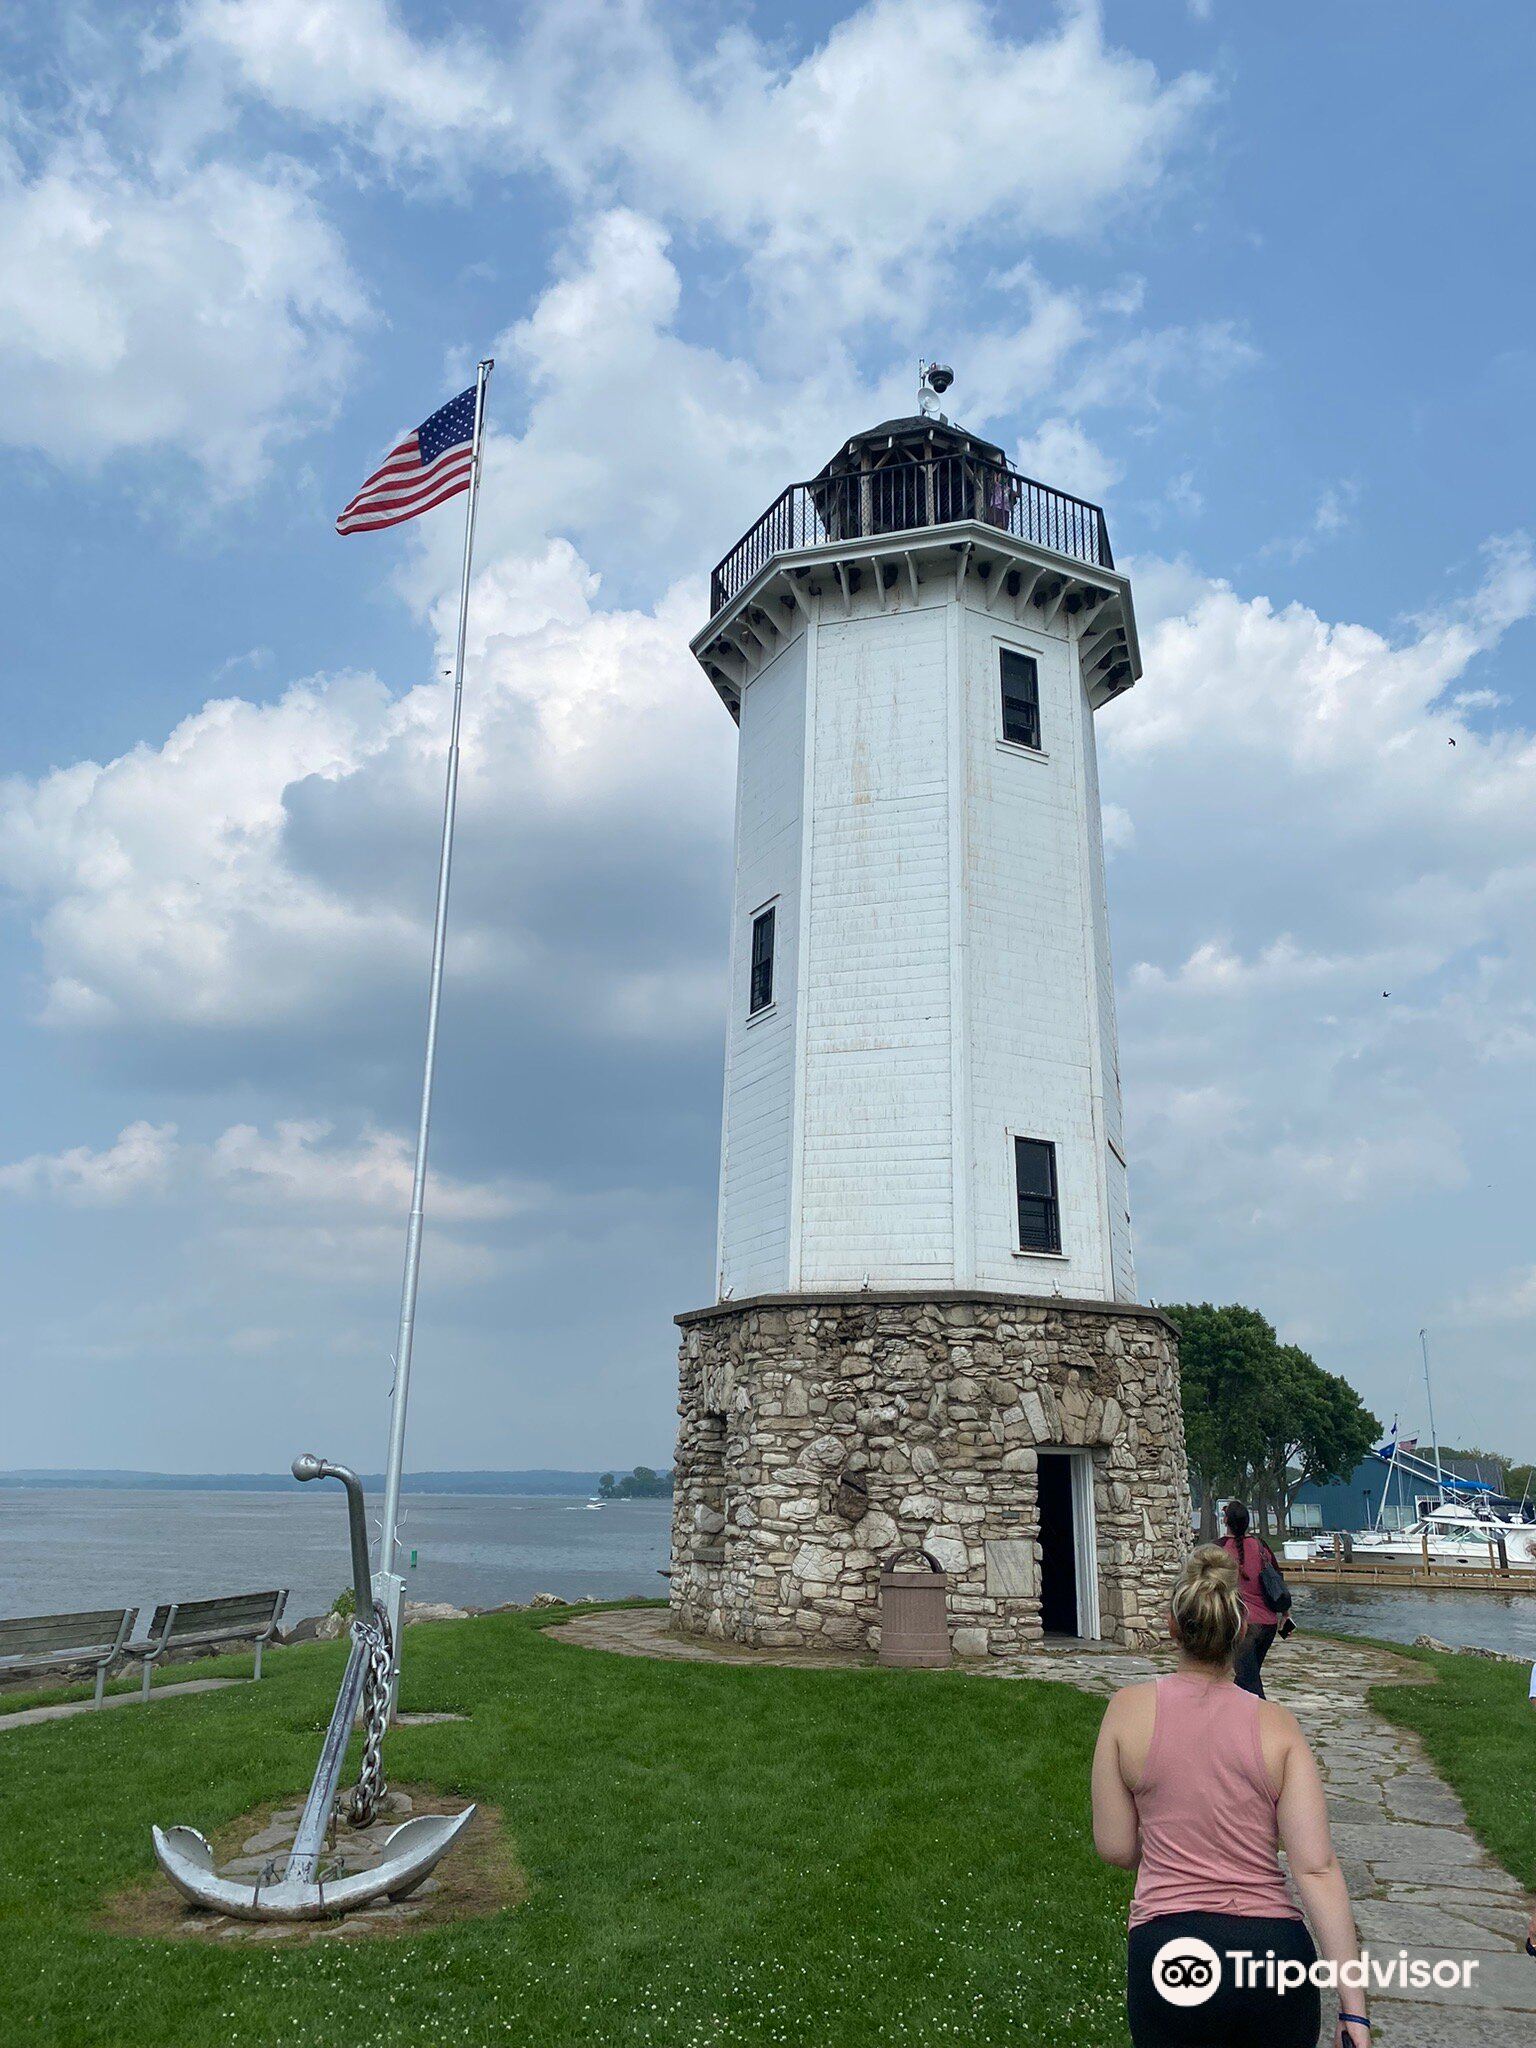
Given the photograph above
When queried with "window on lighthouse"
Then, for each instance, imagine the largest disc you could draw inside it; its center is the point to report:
(761, 994)
(1021, 699)
(1034, 1166)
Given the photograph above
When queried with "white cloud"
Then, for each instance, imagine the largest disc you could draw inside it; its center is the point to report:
(1135, 372)
(1061, 453)
(643, 447)
(207, 310)
(138, 1162)
(849, 176)
(1422, 1155)
(1333, 514)
(266, 863)
(352, 64)
(332, 1254)
(159, 879)
(652, 451)
(1282, 966)
(1509, 1299)
(318, 1209)
(1333, 981)
(332, 1213)
(1331, 698)
(294, 1166)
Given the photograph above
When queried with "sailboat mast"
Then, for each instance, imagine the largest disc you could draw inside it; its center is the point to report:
(1430, 1398)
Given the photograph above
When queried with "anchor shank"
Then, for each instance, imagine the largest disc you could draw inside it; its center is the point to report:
(307, 1466)
(308, 1843)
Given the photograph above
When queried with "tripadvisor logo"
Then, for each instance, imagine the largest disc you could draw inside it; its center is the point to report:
(1187, 1971)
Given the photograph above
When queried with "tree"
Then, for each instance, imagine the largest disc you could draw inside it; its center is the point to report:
(644, 1483)
(1518, 1472)
(1261, 1418)
(1314, 1428)
(1224, 1354)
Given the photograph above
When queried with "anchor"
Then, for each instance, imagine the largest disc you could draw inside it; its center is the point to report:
(410, 1850)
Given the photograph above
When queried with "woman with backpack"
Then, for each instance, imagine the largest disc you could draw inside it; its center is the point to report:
(1261, 1590)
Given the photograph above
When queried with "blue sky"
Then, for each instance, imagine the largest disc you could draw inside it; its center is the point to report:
(1255, 281)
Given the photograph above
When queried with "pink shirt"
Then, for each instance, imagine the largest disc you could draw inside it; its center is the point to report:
(1255, 1554)
(1210, 1837)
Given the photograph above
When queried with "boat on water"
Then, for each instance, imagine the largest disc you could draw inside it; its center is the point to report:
(1447, 1532)
(1465, 1521)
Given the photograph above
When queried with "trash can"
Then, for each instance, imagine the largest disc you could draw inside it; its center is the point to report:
(914, 1612)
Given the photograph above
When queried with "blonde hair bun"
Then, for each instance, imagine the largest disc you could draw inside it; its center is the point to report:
(1207, 1612)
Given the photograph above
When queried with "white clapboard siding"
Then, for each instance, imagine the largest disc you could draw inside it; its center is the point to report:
(943, 979)
(875, 1192)
(758, 1123)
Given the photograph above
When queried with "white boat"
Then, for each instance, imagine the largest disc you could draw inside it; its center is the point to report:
(1449, 1532)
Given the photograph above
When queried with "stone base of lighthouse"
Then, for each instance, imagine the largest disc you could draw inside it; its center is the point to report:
(818, 1437)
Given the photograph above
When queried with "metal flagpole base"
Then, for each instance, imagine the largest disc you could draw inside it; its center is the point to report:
(389, 1592)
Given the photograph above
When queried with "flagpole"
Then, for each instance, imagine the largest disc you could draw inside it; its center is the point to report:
(388, 1585)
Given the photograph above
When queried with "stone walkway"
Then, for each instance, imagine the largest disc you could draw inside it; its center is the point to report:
(1418, 1879)
(29, 1717)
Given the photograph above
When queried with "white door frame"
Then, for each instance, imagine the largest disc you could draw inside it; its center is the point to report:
(1086, 1539)
(1085, 1536)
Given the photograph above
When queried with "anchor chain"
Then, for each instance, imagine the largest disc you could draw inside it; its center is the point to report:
(368, 1793)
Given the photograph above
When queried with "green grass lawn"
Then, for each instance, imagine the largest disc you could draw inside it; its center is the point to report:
(715, 1854)
(1480, 1731)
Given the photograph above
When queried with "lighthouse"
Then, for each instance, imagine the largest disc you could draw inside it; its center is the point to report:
(925, 1334)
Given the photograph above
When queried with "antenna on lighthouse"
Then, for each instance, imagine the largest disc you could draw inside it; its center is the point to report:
(933, 380)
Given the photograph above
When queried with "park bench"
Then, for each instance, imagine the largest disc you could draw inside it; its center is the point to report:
(209, 1625)
(43, 1642)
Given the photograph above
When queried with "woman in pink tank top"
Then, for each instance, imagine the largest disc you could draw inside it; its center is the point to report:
(1196, 1784)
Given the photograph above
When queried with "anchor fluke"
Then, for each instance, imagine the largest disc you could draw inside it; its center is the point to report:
(410, 1851)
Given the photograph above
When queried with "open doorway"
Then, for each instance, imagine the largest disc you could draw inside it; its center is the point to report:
(1069, 1566)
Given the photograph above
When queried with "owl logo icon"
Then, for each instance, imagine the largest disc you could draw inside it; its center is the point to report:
(1186, 1971)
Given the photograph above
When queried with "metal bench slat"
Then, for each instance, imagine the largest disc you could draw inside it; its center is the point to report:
(50, 1639)
(226, 1614)
(90, 1634)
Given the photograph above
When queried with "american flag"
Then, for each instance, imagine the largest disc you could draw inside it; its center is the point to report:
(426, 468)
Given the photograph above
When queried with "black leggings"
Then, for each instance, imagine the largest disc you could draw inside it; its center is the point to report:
(1235, 2015)
(1252, 1649)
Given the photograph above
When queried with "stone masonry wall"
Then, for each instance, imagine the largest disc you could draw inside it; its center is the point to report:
(817, 1438)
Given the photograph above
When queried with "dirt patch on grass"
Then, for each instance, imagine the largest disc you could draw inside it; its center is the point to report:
(478, 1876)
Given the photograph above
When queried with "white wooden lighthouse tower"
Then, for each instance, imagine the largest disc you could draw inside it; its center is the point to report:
(922, 1094)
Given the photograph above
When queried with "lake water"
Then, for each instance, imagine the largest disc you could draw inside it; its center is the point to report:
(72, 1549)
(1484, 1621)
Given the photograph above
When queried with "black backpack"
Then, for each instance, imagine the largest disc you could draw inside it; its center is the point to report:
(1276, 1592)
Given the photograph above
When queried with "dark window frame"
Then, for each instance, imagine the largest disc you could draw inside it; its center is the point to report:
(1038, 1207)
(1020, 698)
(760, 976)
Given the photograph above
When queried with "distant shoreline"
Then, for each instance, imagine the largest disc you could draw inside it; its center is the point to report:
(544, 1480)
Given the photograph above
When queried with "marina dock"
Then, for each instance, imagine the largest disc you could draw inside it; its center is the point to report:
(1420, 1574)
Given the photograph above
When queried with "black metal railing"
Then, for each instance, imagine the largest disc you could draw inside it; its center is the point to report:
(909, 495)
